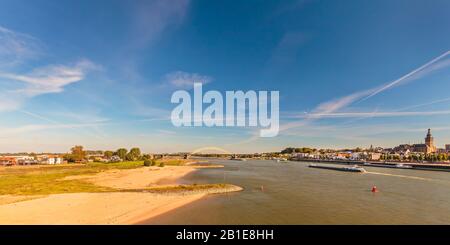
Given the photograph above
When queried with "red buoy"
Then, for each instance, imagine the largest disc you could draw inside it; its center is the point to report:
(374, 189)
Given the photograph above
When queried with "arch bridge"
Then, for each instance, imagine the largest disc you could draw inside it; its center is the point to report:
(207, 149)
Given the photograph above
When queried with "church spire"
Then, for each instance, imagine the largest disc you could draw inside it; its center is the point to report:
(429, 141)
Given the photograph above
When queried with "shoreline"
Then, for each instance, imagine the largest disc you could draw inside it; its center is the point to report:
(139, 196)
(414, 165)
(196, 196)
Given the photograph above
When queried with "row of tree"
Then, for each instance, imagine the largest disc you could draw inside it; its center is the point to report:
(132, 155)
(291, 150)
(434, 157)
(78, 154)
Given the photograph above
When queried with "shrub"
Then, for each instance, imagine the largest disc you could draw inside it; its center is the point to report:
(161, 165)
(148, 163)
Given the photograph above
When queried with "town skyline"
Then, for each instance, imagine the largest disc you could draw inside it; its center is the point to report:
(373, 74)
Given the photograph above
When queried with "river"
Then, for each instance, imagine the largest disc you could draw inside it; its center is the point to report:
(293, 193)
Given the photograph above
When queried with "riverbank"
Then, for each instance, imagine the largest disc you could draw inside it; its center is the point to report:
(116, 196)
(414, 166)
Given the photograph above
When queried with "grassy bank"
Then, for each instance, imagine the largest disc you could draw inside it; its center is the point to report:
(52, 179)
(173, 162)
(195, 188)
(43, 180)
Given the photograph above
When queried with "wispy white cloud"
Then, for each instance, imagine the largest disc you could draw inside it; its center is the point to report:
(287, 49)
(149, 21)
(9, 102)
(287, 7)
(16, 47)
(151, 18)
(18, 87)
(39, 127)
(166, 132)
(50, 79)
(42, 80)
(181, 79)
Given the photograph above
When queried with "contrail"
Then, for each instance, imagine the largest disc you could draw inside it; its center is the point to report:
(424, 104)
(389, 85)
(57, 123)
(376, 114)
(39, 117)
(329, 107)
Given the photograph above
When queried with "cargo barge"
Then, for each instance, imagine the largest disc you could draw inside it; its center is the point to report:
(354, 169)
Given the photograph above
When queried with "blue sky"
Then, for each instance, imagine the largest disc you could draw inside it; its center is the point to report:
(101, 73)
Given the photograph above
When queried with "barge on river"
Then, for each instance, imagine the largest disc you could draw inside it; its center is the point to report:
(354, 169)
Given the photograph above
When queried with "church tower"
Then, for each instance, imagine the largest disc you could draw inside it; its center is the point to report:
(429, 141)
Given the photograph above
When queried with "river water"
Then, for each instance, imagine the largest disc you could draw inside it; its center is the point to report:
(293, 193)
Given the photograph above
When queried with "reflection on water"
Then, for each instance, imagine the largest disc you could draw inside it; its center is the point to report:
(292, 193)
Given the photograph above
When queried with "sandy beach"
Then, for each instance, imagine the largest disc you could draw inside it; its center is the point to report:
(137, 178)
(92, 208)
(125, 207)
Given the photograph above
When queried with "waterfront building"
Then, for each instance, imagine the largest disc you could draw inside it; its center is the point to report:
(49, 159)
(344, 155)
(441, 150)
(8, 161)
(358, 155)
(447, 147)
(428, 147)
(375, 156)
(429, 141)
(403, 148)
(17, 160)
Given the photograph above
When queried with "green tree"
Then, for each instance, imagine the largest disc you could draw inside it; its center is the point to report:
(108, 154)
(67, 157)
(308, 150)
(129, 157)
(147, 163)
(78, 154)
(122, 153)
(288, 150)
(154, 162)
(135, 154)
(147, 157)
